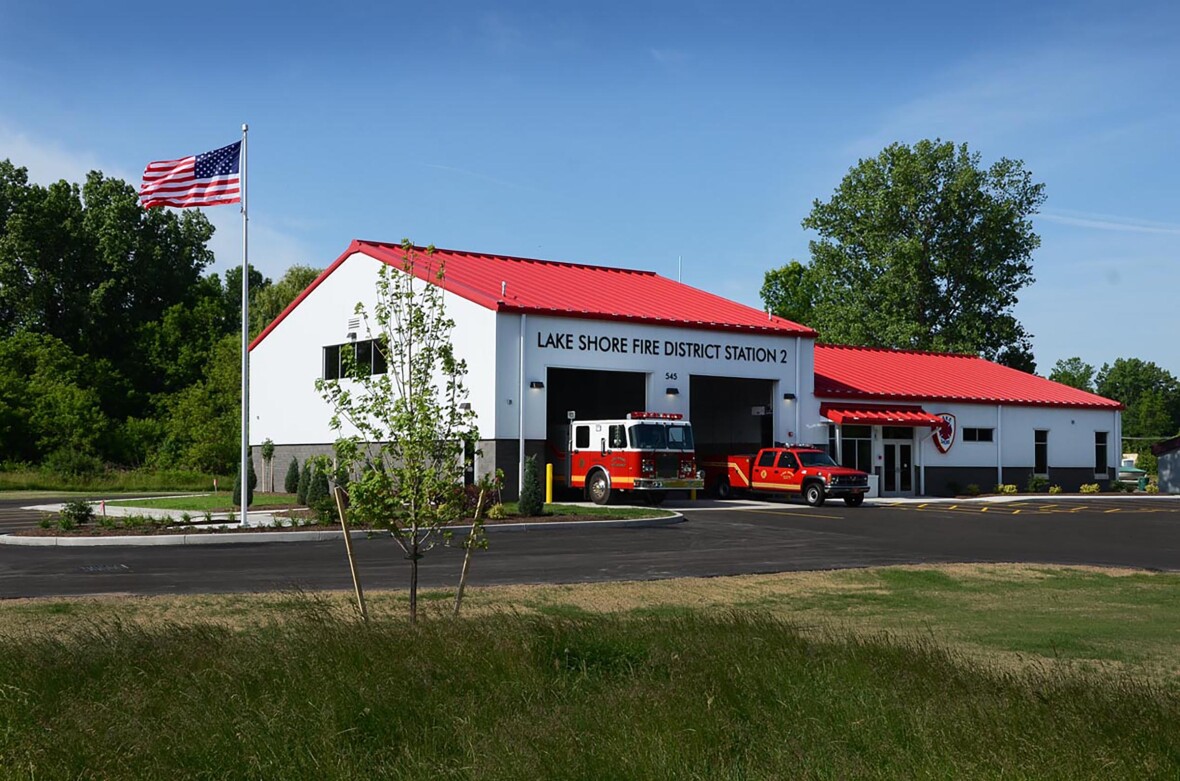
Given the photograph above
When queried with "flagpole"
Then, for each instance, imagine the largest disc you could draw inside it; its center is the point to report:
(245, 480)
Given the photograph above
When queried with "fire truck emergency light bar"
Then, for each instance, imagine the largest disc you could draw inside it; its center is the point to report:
(654, 416)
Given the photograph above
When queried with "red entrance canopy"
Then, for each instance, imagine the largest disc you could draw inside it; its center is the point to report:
(869, 415)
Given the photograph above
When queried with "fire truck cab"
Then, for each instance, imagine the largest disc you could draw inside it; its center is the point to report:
(649, 453)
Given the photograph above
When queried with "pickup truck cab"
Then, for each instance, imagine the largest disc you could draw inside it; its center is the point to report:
(794, 470)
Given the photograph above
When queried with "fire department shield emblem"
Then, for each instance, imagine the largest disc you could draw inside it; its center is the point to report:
(944, 435)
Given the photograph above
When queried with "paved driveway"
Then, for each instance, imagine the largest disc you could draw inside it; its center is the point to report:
(716, 540)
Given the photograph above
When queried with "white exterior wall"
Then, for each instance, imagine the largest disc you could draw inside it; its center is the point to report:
(567, 343)
(1071, 436)
(284, 404)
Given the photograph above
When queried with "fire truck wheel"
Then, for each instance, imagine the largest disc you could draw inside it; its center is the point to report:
(656, 498)
(723, 489)
(856, 500)
(813, 494)
(598, 487)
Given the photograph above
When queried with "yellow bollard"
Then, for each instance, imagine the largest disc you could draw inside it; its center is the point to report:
(692, 495)
(548, 483)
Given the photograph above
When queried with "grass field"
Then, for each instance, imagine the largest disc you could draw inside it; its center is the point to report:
(906, 672)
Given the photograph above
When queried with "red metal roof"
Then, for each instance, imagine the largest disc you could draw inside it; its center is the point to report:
(509, 284)
(901, 375)
(885, 415)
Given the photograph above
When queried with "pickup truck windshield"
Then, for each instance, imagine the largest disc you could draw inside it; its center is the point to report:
(657, 436)
(816, 459)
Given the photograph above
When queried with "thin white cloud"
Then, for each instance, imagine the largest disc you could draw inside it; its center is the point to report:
(47, 162)
(1109, 222)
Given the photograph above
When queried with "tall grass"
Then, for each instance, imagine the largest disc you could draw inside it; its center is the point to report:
(735, 696)
(110, 481)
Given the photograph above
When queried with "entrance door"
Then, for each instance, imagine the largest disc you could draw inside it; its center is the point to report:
(898, 477)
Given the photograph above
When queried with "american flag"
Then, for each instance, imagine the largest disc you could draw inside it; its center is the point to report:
(207, 179)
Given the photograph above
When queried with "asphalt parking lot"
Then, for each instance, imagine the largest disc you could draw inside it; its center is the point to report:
(717, 539)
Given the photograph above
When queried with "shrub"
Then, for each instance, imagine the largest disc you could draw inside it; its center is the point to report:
(71, 463)
(291, 481)
(304, 482)
(973, 489)
(319, 498)
(1152, 488)
(953, 487)
(1055, 489)
(497, 512)
(79, 512)
(1006, 488)
(251, 483)
(1036, 484)
(1091, 488)
(532, 502)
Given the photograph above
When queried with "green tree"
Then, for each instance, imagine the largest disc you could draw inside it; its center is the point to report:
(790, 292)
(304, 482)
(269, 302)
(1150, 393)
(202, 422)
(291, 481)
(921, 248)
(1073, 372)
(412, 430)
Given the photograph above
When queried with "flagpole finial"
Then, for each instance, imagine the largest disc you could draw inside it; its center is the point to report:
(245, 127)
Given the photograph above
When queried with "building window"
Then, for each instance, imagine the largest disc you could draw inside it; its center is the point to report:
(977, 434)
(857, 448)
(368, 357)
(1101, 465)
(1041, 452)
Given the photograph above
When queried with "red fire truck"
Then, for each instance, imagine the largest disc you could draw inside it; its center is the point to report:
(649, 453)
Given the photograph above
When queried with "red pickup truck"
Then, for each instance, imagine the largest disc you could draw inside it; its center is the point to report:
(795, 470)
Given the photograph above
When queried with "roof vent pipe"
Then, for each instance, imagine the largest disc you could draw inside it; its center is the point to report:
(503, 289)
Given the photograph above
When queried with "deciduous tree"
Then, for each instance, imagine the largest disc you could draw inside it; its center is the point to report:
(920, 248)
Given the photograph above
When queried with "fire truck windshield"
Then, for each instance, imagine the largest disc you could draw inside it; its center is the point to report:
(657, 436)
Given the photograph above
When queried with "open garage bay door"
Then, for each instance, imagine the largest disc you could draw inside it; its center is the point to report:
(731, 414)
(590, 395)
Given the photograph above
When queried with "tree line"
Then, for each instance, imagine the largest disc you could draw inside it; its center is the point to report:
(116, 348)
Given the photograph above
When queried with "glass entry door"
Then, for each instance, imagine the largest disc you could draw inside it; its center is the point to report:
(898, 477)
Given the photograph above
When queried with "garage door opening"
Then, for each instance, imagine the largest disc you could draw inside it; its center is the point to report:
(731, 414)
(590, 395)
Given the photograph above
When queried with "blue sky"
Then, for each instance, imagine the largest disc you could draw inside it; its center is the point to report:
(686, 137)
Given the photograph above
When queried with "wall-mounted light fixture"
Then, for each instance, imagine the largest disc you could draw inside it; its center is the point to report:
(673, 391)
(536, 384)
(788, 397)
(465, 406)
(352, 336)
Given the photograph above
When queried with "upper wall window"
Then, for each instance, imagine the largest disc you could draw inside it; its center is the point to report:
(367, 356)
(978, 434)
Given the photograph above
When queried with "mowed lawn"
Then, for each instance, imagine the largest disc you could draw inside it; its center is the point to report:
(904, 672)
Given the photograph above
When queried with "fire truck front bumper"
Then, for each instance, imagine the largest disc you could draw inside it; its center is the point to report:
(668, 483)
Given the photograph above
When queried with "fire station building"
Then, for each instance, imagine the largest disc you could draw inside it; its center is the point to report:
(546, 342)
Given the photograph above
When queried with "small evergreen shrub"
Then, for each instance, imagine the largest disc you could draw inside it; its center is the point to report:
(497, 512)
(1055, 489)
(1006, 488)
(1152, 488)
(973, 489)
(1091, 488)
(304, 482)
(532, 502)
(251, 484)
(291, 481)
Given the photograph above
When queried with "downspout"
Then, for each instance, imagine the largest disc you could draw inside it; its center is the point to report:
(520, 407)
(798, 390)
(999, 444)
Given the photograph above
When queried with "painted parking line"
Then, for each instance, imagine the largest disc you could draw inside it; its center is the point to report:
(1023, 508)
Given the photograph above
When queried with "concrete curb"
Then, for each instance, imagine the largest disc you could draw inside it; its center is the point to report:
(262, 537)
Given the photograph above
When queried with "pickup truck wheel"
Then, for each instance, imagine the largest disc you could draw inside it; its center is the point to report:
(723, 489)
(813, 494)
(856, 500)
(598, 488)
